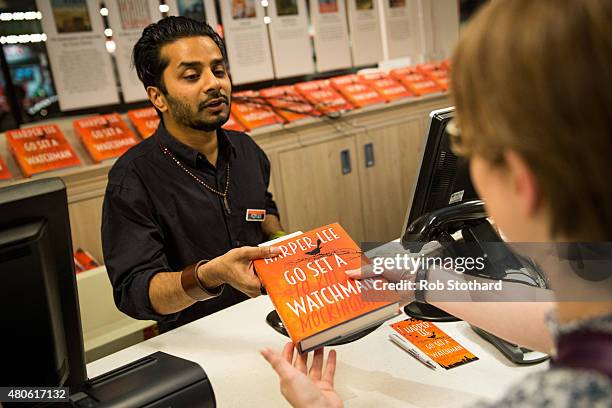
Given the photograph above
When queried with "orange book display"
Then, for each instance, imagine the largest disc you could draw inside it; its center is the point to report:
(233, 124)
(5, 173)
(416, 82)
(104, 136)
(432, 341)
(288, 103)
(315, 299)
(145, 121)
(437, 72)
(387, 87)
(323, 96)
(253, 112)
(41, 148)
(358, 93)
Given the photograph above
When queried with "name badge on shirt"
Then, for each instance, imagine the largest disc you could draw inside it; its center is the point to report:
(255, 215)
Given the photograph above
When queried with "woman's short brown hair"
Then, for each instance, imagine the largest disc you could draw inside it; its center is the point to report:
(535, 77)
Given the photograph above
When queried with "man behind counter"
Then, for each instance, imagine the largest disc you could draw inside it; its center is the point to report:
(186, 194)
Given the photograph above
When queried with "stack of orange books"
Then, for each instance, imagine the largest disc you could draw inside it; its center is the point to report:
(252, 111)
(323, 96)
(5, 173)
(41, 148)
(288, 103)
(355, 91)
(438, 72)
(104, 136)
(233, 124)
(387, 87)
(145, 121)
(416, 82)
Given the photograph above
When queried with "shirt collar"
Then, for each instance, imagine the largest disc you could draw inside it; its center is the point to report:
(190, 156)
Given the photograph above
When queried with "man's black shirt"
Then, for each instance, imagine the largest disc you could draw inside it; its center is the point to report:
(157, 218)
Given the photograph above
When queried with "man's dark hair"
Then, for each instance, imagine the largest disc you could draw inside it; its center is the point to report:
(146, 56)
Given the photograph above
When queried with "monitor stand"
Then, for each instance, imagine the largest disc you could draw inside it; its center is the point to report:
(423, 311)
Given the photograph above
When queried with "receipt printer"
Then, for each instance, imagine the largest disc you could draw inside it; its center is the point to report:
(155, 381)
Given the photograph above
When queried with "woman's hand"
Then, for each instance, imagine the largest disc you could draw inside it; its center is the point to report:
(390, 275)
(303, 387)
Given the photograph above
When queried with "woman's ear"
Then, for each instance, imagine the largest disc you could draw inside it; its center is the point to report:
(524, 183)
(157, 98)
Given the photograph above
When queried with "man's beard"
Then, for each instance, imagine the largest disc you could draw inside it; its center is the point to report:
(183, 114)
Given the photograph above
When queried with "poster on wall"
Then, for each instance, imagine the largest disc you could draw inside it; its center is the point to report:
(331, 39)
(201, 10)
(127, 19)
(82, 68)
(246, 39)
(364, 25)
(400, 31)
(291, 49)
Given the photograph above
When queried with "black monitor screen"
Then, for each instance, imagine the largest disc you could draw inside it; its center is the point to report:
(444, 178)
(42, 344)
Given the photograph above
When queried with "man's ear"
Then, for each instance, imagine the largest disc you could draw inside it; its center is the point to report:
(157, 98)
(524, 183)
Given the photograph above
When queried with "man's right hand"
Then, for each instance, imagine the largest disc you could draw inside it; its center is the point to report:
(236, 269)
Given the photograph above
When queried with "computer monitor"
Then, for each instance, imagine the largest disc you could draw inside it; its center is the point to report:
(444, 178)
(41, 337)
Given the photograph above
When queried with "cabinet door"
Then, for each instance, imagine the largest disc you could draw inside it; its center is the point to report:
(388, 166)
(320, 185)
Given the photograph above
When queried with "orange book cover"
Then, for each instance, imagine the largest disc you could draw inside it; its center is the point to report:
(104, 136)
(323, 96)
(416, 82)
(252, 111)
(357, 92)
(388, 87)
(432, 341)
(315, 299)
(83, 261)
(233, 124)
(288, 103)
(145, 121)
(41, 148)
(5, 173)
(437, 72)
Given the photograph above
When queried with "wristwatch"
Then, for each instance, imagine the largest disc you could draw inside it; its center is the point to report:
(419, 293)
(192, 285)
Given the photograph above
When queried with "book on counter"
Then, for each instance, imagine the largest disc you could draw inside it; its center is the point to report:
(416, 82)
(357, 92)
(233, 124)
(5, 173)
(104, 136)
(41, 148)
(145, 121)
(325, 98)
(252, 111)
(433, 342)
(315, 299)
(84, 261)
(388, 87)
(288, 103)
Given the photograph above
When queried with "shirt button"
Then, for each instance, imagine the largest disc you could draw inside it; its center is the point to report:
(238, 243)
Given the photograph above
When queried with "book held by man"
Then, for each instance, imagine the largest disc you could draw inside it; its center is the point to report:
(315, 299)
(41, 148)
